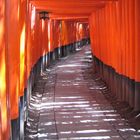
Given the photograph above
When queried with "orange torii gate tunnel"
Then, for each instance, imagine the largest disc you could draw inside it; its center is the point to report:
(29, 42)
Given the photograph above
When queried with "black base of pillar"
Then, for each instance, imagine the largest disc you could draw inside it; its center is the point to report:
(56, 52)
(15, 129)
(21, 118)
(121, 87)
(137, 96)
(131, 93)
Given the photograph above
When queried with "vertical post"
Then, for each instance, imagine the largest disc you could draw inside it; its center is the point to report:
(137, 56)
(4, 94)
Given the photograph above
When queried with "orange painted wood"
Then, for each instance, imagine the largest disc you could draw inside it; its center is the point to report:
(22, 32)
(13, 69)
(137, 45)
(4, 102)
(132, 38)
(114, 33)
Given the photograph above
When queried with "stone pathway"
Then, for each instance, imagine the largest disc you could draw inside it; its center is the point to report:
(67, 103)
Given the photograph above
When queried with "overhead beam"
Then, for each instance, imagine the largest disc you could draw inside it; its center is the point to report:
(71, 8)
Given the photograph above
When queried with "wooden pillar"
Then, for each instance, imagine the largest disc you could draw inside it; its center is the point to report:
(4, 96)
(137, 55)
(13, 55)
